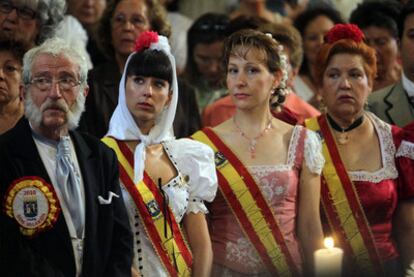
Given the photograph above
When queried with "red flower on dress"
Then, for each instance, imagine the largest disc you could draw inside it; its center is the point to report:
(344, 31)
(145, 39)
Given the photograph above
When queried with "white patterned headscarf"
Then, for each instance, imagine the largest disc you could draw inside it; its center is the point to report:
(122, 125)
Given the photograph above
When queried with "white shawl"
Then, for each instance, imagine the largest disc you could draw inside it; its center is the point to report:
(123, 127)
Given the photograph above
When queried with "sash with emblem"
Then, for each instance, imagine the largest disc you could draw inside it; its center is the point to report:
(249, 207)
(342, 206)
(165, 235)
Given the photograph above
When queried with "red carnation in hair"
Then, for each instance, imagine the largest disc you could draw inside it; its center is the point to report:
(145, 39)
(344, 31)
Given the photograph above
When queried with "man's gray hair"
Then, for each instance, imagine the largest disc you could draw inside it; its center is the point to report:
(56, 47)
(51, 13)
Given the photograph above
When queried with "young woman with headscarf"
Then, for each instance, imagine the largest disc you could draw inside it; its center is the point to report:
(165, 181)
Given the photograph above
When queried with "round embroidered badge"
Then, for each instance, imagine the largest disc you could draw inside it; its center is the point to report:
(33, 204)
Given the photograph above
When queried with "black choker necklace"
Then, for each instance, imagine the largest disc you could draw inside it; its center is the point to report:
(343, 137)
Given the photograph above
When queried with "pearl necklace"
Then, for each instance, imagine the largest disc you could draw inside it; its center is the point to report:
(253, 141)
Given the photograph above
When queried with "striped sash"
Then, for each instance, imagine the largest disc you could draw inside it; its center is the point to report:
(342, 206)
(165, 235)
(249, 207)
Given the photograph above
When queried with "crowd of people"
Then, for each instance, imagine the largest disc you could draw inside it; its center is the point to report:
(192, 138)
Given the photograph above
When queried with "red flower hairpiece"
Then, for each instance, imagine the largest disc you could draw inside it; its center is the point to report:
(145, 39)
(344, 31)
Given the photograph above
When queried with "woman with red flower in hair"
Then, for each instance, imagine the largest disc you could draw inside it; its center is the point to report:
(362, 200)
(164, 181)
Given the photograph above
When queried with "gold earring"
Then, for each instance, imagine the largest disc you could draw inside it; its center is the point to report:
(321, 105)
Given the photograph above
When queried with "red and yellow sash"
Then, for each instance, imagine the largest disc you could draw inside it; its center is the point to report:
(249, 207)
(171, 248)
(343, 207)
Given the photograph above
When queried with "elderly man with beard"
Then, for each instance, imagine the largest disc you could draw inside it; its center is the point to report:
(30, 21)
(62, 212)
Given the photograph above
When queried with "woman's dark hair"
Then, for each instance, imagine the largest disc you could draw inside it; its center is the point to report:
(245, 22)
(303, 20)
(150, 63)
(16, 48)
(172, 6)
(156, 17)
(407, 10)
(382, 14)
(207, 29)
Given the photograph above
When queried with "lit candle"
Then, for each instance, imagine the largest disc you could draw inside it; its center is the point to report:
(328, 261)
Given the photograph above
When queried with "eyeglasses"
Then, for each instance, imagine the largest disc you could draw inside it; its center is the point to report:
(64, 84)
(137, 21)
(23, 12)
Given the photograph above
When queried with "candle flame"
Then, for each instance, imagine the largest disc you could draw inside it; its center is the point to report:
(329, 243)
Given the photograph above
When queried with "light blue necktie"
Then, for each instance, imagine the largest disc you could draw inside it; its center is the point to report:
(69, 184)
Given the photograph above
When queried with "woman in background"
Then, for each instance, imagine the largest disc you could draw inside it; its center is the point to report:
(11, 102)
(205, 51)
(378, 21)
(313, 24)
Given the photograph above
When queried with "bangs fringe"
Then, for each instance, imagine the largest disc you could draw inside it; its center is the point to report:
(151, 63)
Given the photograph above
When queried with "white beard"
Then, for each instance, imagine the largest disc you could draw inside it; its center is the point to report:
(34, 113)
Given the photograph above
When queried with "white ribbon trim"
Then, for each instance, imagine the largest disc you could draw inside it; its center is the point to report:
(406, 149)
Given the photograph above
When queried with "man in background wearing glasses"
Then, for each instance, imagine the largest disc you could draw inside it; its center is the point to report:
(30, 21)
(62, 212)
